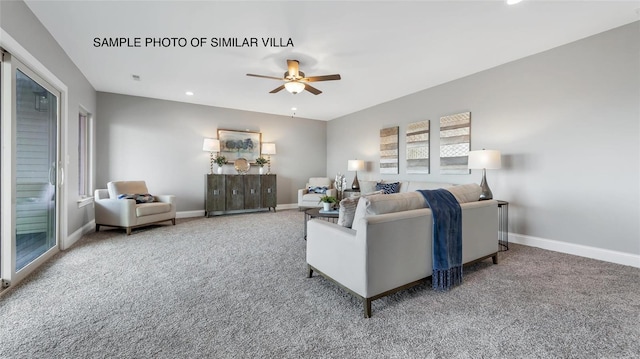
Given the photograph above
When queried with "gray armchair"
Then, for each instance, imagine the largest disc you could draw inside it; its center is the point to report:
(126, 213)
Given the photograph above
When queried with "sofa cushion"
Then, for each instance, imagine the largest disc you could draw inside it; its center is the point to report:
(319, 182)
(387, 203)
(139, 198)
(117, 188)
(147, 209)
(412, 186)
(466, 192)
(388, 188)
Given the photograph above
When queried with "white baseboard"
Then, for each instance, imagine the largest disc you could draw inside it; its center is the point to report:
(606, 255)
(190, 214)
(75, 236)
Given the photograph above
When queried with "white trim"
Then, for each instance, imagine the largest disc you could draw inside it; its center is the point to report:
(606, 255)
(190, 214)
(85, 201)
(77, 235)
(287, 206)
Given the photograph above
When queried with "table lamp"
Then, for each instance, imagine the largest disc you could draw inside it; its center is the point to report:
(484, 159)
(355, 165)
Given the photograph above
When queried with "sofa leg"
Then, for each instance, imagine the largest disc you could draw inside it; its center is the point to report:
(309, 272)
(173, 220)
(128, 231)
(367, 307)
(97, 228)
(495, 258)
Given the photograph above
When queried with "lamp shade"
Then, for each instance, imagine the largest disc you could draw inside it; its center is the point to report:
(268, 148)
(211, 145)
(355, 165)
(294, 87)
(484, 159)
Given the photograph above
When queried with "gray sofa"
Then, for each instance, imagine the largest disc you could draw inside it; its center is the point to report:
(389, 246)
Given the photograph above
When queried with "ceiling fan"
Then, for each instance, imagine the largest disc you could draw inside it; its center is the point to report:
(295, 80)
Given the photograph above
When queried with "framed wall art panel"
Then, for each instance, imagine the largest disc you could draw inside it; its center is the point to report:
(418, 147)
(389, 150)
(455, 141)
(240, 144)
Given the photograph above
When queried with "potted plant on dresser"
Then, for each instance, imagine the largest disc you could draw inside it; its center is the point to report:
(220, 160)
(327, 202)
(261, 161)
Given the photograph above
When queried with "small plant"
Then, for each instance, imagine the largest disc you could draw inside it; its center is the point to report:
(328, 199)
(261, 161)
(221, 160)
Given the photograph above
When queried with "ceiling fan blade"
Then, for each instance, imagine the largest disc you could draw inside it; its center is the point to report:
(293, 68)
(312, 89)
(322, 78)
(266, 77)
(277, 89)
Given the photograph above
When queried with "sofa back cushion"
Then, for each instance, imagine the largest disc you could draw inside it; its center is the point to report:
(412, 186)
(117, 188)
(465, 193)
(319, 182)
(386, 203)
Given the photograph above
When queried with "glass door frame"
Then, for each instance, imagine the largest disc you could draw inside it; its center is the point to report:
(10, 65)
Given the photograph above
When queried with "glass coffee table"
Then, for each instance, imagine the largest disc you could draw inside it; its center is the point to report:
(315, 213)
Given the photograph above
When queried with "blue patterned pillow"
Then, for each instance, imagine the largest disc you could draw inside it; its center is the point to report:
(388, 188)
(321, 190)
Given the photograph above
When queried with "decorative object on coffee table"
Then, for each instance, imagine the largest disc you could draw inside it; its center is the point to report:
(268, 149)
(340, 184)
(355, 165)
(211, 145)
(328, 202)
(485, 159)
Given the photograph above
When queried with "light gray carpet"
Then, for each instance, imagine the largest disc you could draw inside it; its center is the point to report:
(236, 287)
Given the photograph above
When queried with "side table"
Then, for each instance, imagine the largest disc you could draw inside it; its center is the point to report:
(503, 225)
(315, 213)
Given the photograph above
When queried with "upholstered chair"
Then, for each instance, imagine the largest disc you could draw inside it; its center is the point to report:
(124, 204)
(310, 195)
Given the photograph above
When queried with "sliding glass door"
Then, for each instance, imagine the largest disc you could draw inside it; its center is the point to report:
(36, 169)
(30, 169)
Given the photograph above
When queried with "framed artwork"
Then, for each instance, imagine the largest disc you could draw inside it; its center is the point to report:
(240, 144)
(455, 141)
(389, 150)
(418, 147)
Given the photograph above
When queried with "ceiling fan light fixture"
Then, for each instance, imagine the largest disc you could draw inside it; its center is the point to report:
(294, 87)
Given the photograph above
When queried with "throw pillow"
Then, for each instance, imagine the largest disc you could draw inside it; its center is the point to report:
(388, 188)
(139, 198)
(321, 190)
(347, 210)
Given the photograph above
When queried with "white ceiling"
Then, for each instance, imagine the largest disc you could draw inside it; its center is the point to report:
(382, 50)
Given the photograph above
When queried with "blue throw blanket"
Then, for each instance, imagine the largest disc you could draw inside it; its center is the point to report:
(447, 238)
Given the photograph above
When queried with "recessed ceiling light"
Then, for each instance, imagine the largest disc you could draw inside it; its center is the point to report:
(189, 93)
(512, 2)
(294, 108)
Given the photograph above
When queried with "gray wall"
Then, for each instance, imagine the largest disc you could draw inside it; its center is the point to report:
(566, 122)
(20, 23)
(161, 142)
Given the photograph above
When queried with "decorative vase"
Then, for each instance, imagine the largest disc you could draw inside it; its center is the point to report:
(261, 170)
(219, 170)
(326, 206)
